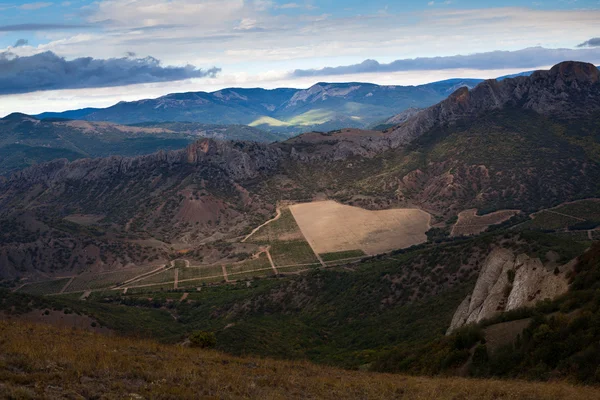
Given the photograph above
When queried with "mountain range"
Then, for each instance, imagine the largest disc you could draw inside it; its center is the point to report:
(323, 106)
(522, 143)
(202, 245)
(26, 140)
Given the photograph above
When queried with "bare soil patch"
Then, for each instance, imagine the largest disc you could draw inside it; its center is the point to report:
(84, 219)
(332, 227)
(469, 223)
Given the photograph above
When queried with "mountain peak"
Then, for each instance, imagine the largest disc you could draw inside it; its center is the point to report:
(570, 71)
(16, 116)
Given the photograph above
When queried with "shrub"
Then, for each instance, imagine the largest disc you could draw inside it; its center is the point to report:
(203, 340)
(466, 337)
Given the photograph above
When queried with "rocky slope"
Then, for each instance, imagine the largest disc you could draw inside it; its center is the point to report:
(508, 282)
(568, 90)
(176, 197)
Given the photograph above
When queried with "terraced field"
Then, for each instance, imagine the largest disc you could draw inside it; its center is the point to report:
(584, 214)
(150, 289)
(200, 272)
(259, 266)
(288, 248)
(44, 288)
(291, 252)
(297, 268)
(89, 281)
(282, 229)
(342, 255)
(161, 277)
(469, 223)
(199, 282)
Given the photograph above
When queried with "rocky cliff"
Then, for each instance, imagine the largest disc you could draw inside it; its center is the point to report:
(570, 89)
(508, 282)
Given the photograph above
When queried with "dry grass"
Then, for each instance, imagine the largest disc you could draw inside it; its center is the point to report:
(39, 361)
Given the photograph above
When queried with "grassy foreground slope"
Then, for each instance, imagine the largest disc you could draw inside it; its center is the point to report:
(38, 361)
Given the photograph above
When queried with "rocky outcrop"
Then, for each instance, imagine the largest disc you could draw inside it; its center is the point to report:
(570, 89)
(508, 282)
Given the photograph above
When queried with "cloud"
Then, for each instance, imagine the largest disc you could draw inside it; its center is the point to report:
(527, 58)
(35, 6)
(593, 42)
(206, 13)
(21, 42)
(39, 27)
(47, 71)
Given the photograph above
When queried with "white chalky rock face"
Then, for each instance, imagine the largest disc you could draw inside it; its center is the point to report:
(494, 293)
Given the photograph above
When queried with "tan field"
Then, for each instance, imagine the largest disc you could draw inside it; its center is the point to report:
(469, 223)
(331, 227)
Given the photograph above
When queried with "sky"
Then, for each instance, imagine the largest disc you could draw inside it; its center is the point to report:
(58, 55)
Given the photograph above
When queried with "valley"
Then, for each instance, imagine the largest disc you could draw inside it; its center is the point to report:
(461, 240)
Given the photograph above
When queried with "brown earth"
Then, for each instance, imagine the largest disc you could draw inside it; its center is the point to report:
(469, 223)
(330, 227)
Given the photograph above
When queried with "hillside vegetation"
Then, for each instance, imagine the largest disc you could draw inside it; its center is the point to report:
(39, 361)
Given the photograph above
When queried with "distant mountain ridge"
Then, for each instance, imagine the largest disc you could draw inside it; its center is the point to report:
(27, 140)
(323, 106)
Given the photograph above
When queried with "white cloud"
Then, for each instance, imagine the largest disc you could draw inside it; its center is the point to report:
(248, 37)
(233, 31)
(35, 6)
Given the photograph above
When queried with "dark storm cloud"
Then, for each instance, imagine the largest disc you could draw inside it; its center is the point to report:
(593, 42)
(47, 71)
(39, 27)
(527, 58)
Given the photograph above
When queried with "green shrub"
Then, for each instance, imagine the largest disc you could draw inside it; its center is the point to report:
(203, 340)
